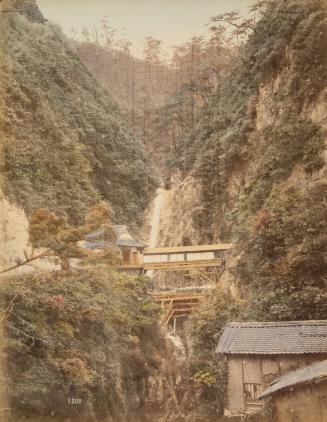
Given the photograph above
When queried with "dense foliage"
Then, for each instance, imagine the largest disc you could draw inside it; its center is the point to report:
(205, 328)
(88, 335)
(284, 54)
(48, 231)
(257, 155)
(285, 267)
(67, 144)
(261, 140)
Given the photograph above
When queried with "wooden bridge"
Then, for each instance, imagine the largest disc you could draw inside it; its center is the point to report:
(203, 260)
(177, 305)
(178, 258)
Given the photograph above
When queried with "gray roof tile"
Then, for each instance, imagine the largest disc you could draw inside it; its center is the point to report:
(273, 338)
(316, 372)
(94, 240)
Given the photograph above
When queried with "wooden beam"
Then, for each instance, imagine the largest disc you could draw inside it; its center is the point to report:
(182, 316)
(173, 266)
(185, 249)
(183, 265)
(167, 318)
(204, 275)
(131, 267)
(177, 311)
(177, 298)
(173, 314)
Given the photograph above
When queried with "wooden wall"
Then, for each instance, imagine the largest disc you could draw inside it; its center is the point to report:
(303, 404)
(235, 387)
(259, 370)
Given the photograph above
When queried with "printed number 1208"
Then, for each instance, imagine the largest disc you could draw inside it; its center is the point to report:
(74, 401)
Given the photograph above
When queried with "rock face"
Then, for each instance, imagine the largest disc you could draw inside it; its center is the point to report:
(268, 116)
(13, 234)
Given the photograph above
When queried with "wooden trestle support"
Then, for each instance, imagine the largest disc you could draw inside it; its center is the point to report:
(176, 305)
(202, 259)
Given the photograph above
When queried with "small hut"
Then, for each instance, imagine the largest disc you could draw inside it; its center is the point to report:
(131, 248)
(300, 395)
(259, 352)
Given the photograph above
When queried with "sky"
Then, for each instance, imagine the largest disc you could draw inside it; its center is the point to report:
(171, 21)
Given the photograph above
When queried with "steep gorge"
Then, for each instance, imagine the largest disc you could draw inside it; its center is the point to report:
(84, 344)
(256, 178)
(267, 130)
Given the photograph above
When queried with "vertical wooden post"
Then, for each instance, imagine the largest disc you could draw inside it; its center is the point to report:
(175, 326)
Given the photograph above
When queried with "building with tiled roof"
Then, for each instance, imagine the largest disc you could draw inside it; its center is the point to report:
(130, 247)
(271, 338)
(259, 352)
(300, 395)
(97, 240)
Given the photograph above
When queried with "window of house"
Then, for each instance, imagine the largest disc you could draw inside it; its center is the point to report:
(251, 392)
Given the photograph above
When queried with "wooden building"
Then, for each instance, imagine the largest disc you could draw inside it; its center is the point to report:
(259, 352)
(300, 395)
(131, 248)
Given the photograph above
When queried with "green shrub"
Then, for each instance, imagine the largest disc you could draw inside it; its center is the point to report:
(203, 330)
(72, 336)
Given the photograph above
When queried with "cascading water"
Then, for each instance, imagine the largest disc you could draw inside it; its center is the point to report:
(155, 218)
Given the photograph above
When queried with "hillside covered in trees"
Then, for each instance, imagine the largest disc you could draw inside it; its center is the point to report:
(258, 157)
(66, 142)
(161, 97)
(244, 126)
(255, 165)
(235, 123)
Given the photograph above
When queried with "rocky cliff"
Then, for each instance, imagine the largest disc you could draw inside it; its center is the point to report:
(267, 131)
(258, 180)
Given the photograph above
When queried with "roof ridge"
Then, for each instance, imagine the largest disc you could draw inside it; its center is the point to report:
(286, 337)
(258, 324)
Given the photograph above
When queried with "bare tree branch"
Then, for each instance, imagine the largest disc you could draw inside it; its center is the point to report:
(25, 334)
(27, 261)
(9, 308)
